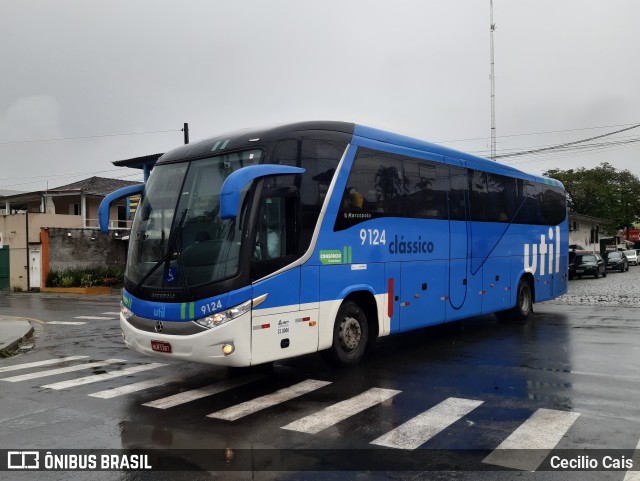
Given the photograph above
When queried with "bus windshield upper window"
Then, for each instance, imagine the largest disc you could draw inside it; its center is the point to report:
(180, 224)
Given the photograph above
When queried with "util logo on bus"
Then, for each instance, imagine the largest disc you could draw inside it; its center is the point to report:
(548, 253)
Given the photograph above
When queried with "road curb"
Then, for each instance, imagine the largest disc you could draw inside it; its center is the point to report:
(18, 330)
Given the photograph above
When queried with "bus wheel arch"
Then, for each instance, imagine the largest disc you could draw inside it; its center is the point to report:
(367, 302)
(525, 298)
(527, 276)
(355, 328)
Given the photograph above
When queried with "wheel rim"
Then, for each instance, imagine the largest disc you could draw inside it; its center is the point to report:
(350, 334)
(525, 299)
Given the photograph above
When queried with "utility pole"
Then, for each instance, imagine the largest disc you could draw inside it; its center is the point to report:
(185, 129)
(492, 78)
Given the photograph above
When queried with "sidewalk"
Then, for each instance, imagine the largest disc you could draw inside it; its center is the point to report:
(12, 331)
(113, 296)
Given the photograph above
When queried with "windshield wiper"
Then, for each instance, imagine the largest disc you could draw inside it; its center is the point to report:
(177, 237)
(166, 256)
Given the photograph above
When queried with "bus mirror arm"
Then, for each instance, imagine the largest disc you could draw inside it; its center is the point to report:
(103, 211)
(233, 185)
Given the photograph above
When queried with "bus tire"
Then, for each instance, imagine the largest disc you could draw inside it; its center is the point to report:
(524, 301)
(350, 335)
(524, 304)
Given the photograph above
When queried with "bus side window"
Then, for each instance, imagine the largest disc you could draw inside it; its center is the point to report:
(498, 206)
(479, 196)
(458, 194)
(531, 209)
(427, 184)
(554, 205)
(376, 187)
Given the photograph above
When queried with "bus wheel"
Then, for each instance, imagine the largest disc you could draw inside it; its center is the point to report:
(350, 335)
(523, 307)
(524, 301)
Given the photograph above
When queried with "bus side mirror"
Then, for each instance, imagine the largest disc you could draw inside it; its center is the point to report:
(233, 185)
(103, 211)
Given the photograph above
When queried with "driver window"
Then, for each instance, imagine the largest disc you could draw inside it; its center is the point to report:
(271, 242)
(276, 240)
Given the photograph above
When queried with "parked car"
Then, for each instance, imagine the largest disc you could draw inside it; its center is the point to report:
(632, 257)
(587, 265)
(575, 252)
(616, 260)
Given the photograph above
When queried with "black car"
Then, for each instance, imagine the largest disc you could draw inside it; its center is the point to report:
(587, 265)
(616, 260)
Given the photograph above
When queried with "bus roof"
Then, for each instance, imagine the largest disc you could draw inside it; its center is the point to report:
(248, 138)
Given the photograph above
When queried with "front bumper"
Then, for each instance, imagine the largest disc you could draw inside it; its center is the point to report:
(204, 347)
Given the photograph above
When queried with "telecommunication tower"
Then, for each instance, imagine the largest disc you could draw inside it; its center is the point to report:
(492, 79)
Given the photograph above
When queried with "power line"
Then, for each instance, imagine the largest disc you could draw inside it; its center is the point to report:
(62, 175)
(45, 178)
(575, 151)
(484, 152)
(567, 154)
(87, 137)
(535, 133)
(567, 144)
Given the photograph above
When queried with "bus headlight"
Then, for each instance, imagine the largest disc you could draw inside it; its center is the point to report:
(126, 312)
(223, 317)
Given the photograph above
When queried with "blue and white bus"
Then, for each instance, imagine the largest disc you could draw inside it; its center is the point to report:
(260, 245)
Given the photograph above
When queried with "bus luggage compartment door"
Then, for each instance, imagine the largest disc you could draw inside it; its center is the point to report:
(422, 294)
(464, 284)
(496, 285)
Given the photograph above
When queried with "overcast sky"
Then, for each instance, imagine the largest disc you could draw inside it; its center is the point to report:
(92, 69)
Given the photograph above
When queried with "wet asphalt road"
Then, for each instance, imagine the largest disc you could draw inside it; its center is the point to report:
(575, 357)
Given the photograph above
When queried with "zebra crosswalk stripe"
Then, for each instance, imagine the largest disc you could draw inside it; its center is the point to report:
(418, 430)
(94, 318)
(194, 394)
(532, 441)
(46, 362)
(102, 377)
(314, 423)
(135, 387)
(66, 323)
(62, 370)
(238, 411)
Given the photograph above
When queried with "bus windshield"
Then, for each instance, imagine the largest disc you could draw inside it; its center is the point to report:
(178, 238)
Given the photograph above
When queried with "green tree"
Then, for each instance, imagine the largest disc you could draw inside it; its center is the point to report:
(602, 192)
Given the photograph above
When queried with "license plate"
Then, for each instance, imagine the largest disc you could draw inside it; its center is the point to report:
(579, 271)
(161, 346)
